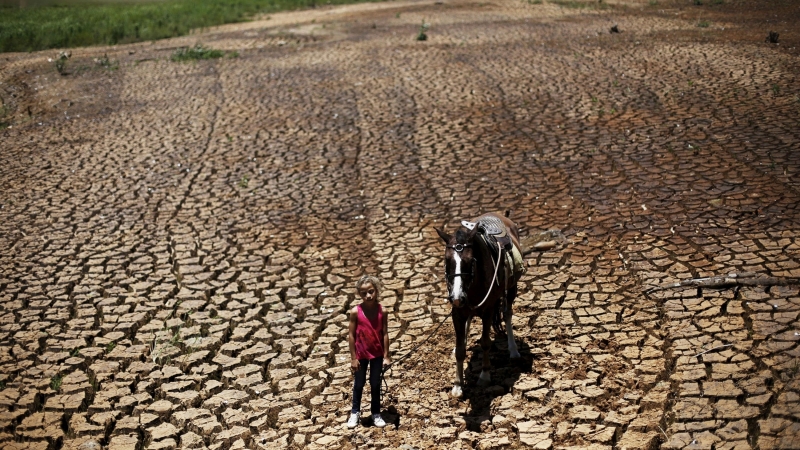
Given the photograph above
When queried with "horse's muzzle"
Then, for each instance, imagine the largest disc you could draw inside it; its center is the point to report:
(457, 302)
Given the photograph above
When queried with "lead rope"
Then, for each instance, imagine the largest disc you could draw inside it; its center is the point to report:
(491, 285)
(386, 369)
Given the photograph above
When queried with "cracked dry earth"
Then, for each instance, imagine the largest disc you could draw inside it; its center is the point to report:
(179, 242)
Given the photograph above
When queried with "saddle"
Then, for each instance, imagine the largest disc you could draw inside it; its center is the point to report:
(495, 234)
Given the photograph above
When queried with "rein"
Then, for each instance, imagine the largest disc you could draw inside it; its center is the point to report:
(494, 277)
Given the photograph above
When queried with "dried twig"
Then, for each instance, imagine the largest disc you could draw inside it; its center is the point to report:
(734, 279)
(662, 432)
(711, 350)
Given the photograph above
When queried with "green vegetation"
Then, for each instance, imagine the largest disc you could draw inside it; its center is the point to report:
(107, 63)
(55, 382)
(196, 53)
(43, 27)
(422, 36)
(703, 24)
(61, 62)
(4, 111)
(580, 4)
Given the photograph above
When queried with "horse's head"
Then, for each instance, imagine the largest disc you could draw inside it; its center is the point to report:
(459, 263)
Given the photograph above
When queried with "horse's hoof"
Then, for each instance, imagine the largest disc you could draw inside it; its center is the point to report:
(456, 392)
(484, 379)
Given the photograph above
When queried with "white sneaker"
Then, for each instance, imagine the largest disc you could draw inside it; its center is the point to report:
(352, 422)
(377, 420)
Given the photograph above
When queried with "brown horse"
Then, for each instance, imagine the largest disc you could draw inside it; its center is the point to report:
(482, 265)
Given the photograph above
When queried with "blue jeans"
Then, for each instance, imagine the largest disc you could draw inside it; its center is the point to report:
(375, 370)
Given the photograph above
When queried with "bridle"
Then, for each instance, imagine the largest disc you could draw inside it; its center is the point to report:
(451, 277)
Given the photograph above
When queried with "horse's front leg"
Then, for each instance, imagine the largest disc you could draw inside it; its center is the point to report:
(461, 325)
(486, 344)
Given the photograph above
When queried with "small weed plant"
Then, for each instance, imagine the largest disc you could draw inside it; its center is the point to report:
(703, 24)
(55, 382)
(161, 346)
(198, 52)
(60, 62)
(106, 63)
(772, 37)
(423, 28)
(244, 181)
(5, 110)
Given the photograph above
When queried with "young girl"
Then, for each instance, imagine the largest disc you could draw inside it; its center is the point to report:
(369, 347)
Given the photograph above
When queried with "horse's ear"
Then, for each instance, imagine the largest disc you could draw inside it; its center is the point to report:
(445, 237)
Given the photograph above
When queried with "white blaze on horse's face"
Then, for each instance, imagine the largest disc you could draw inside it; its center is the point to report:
(455, 296)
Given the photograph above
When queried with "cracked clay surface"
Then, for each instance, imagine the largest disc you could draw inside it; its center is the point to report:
(179, 241)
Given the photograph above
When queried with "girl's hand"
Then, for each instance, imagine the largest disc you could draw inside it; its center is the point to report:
(387, 362)
(354, 365)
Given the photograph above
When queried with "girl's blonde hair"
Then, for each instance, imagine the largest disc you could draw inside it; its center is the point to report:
(369, 279)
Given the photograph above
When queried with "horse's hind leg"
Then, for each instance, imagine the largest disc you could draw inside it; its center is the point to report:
(512, 344)
(486, 344)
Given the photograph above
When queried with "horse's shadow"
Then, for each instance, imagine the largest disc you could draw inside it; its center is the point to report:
(505, 372)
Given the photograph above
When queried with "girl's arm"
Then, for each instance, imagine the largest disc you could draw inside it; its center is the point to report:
(351, 338)
(386, 359)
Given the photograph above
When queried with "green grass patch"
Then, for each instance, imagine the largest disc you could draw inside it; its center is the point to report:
(575, 4)
(196, 53)
(5, 111)
(64, 26)
(703, 24)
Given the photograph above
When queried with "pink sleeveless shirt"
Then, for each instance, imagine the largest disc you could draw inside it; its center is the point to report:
(369, 335)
